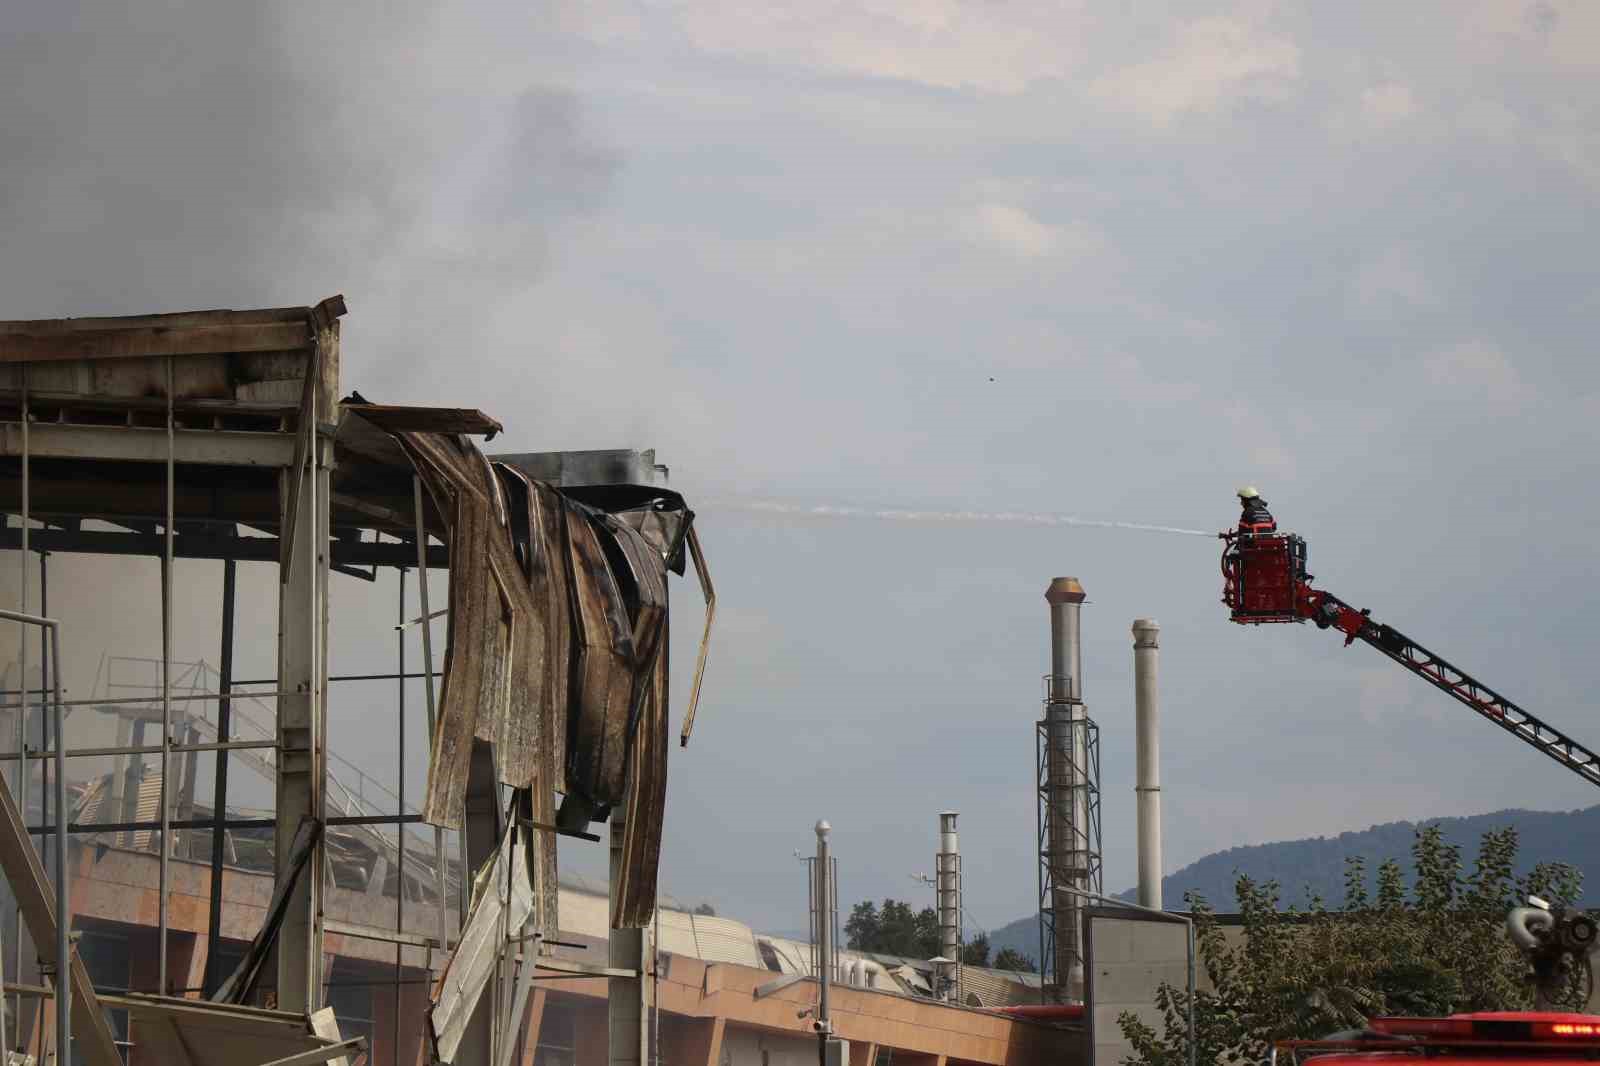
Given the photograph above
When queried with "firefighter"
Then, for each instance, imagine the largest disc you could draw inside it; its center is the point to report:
(1254, 517)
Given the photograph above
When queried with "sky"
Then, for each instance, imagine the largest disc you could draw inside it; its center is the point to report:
(1077, 259)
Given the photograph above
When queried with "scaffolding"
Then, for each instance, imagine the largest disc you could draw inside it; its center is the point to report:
(1067, 833)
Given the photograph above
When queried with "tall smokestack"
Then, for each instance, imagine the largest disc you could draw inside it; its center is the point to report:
(1147, 727)
(947, 869)
(1072, 844)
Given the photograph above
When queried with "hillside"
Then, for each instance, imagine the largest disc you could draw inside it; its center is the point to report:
(1315, 866)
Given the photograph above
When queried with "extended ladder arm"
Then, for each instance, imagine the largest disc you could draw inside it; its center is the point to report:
(1328, 611)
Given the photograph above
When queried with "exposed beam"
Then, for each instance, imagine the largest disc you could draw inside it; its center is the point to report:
(25, 874)
(245, 549)
(216, 447)
(321, 1054)
(40, 345)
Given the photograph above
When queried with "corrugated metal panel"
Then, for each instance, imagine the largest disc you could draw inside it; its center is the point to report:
(794, 956)
(677, 934)
(994, 989)
(725, 940)
(149, 809)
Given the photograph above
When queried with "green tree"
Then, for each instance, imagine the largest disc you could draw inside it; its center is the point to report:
(975, 952)
(1016, 961)
(893, 929)
(1435, 949)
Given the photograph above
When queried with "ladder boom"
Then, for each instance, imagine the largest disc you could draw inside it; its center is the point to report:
(1480, 697)
(1265, 581)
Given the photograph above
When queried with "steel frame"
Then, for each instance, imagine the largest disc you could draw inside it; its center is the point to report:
(1085, 779)
(171, 446)
(307, 549)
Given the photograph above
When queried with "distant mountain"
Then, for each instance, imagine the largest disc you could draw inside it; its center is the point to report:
(1315, 866)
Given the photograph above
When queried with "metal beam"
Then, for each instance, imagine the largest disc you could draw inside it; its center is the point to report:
(322, 1054)
(219, 806)
(214, 447)
(779, 984)
(26, 876)
(302, 621)
(244, 549)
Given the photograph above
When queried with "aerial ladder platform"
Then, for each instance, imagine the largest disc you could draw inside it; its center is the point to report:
(1265, 582)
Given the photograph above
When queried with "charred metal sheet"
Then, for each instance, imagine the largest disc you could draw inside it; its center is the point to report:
(710, 595)
(598, 720)
(398, 419)
(557, 651)
(494, 686)
(660, 515)
(663, 518)
(633, 902)
(502, 902)
(459, 693)
(533, 808)
(549, 563)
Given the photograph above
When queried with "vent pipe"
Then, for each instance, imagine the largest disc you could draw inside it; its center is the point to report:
(947, 869)
(1147, 789)
(827, 958)
(1069, 845)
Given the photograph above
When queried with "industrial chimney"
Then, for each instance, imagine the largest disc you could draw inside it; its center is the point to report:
(947, 878)
(1147, 730)
(1069, 789)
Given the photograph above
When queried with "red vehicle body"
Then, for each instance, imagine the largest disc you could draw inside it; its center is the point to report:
(1488, 1039)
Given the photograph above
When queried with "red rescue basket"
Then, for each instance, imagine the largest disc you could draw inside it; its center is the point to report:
(1262, 576)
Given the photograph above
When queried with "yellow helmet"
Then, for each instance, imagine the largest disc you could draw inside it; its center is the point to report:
(1248, 492)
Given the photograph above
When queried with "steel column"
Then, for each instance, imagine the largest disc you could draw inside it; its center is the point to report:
(626, 1016)
(219, 801)
(302, 622)
(166, 701)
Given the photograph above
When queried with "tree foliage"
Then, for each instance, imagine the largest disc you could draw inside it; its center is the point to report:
(1016, 961)
(975, 952)
(1435, 947)
(893, 929)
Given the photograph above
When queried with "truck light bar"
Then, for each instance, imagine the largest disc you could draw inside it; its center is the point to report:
(1494, 1028)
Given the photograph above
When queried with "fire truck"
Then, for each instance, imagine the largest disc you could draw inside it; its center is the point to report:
(1264, 582)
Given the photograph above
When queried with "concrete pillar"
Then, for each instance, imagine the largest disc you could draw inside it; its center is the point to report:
(697, 1042)
(1147, 789)
(302, 673)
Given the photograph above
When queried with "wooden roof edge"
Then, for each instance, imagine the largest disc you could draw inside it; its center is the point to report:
(333, 306)
(400, 418)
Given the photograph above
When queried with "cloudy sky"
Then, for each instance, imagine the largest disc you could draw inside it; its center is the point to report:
(1097, 260)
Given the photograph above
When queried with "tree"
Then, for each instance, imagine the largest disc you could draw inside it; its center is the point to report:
(893, 929)
(975, 952)
(1439, 949)
(1015, 961)
(706, 909)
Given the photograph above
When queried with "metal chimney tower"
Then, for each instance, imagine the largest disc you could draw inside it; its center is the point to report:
(947, 877)
(1067, 762)
(1147, 733)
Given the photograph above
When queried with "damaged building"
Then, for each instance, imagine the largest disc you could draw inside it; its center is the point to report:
(363, 917)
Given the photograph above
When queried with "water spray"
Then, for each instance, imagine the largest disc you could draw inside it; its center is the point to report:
(755, 505)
